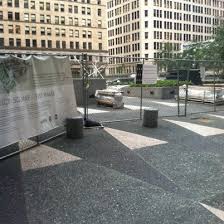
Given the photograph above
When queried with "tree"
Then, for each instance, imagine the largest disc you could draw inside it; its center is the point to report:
(210, 50)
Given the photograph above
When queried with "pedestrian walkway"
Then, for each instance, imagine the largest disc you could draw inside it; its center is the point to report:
(124, 173)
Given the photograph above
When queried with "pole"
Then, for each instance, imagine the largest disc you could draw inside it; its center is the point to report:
(186, 96)
(178, 92)
(214, 89)
(83, 86)
(141, 92)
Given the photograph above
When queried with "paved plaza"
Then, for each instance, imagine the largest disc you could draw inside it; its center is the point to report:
(123, 173)
(131, 109)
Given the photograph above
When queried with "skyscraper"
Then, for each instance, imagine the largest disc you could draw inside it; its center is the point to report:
(145, 28)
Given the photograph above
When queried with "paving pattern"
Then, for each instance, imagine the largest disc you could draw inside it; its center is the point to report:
(131, 109)
(124, 173)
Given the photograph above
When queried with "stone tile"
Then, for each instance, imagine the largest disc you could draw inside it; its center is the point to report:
(43, 156)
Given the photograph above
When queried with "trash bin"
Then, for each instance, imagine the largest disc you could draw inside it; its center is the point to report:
(150, 118)
(74, 127)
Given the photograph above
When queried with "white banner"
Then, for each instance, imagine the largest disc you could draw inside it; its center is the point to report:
(149, 74)
(36, 96)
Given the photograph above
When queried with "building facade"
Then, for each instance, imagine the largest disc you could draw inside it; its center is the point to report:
(158, 28)
(75, 26)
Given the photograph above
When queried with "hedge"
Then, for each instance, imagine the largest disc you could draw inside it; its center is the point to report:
(162, 83)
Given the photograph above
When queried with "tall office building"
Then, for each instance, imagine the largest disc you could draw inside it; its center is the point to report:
(76, 26)
(145, 28)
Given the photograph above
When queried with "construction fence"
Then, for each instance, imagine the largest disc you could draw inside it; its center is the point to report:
(109, 89)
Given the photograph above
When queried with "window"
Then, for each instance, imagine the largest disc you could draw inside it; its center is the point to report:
(89, 34)
(9, 3)
(89, 22)
(34, 43)
(16, 3)
(49, 43)
(1, 28)
(2, 42)
(99, 23)
(48, 6)
(18, 30)
(49, 31)
(33, 18)
(56, 7)
(146, 46)
(76, 21)
(62, 8)
(18, 42)
(70, 21)
(57, 32)
(58, 45)
(10, 29)
(56, 20)
(63, 33)
(63, 44)
(76, 10)
(42, 19)
(99, 12)
(100, 46)
(70, 8)
(27, 30)
(77, 33)
(71, 33)
(48, 19)
(43, 43)
(26, 4)
(17, 16)
(1, 15)
(41, 5)
(10, 16)
(84, 45)
(34, 30)
(63, 20)
(77, 45)
(27, 42)
(42, 31)
(26, 17)
(32, 5)
(146, 13)
(11, 42)
(83, 10)
(100, 35)
(88, 11)
(84, 34)
(71, 44)
(146, 35)
(83, 22)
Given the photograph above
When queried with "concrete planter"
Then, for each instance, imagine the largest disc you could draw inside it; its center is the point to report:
(151, 92)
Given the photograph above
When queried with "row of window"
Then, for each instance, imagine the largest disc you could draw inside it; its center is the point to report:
(48, 19)
(16, 42)
(163, 25)
(178, 5)
(27, 4)
(176, 26)
(16, 29)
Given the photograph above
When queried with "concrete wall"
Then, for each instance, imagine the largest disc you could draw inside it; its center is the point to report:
(151, 92)
(94, 85)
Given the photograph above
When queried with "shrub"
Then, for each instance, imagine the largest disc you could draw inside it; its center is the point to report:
(162, 83)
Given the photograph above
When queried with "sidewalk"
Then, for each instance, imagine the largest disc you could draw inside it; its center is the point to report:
(122, 174)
